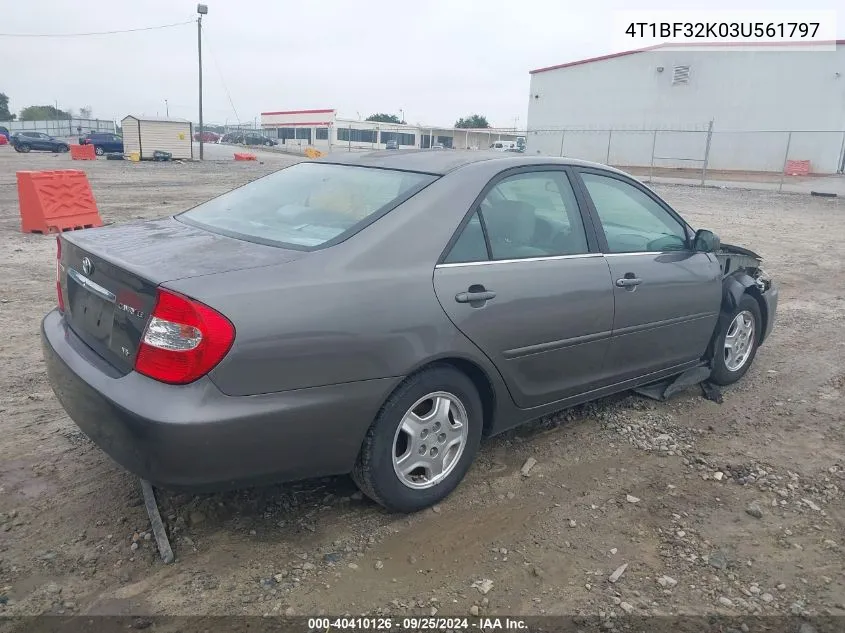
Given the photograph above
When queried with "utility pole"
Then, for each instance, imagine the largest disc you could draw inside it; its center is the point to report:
(167, 108)
(201, 10)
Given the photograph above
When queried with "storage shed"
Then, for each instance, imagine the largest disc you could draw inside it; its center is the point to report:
(147, 134)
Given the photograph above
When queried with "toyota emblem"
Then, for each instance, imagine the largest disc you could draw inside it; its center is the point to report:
(87, 266)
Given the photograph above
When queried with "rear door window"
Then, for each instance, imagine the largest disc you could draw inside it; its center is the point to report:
(307, 205)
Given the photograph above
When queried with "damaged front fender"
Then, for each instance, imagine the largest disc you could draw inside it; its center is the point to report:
(742, 273)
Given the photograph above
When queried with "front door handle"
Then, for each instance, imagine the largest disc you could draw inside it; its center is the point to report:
(628, 282)
(473, 297)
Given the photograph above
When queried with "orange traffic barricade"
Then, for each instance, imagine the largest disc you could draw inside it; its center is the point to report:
(54, 201)
(83, 152)
(797, 167)
(245, 156)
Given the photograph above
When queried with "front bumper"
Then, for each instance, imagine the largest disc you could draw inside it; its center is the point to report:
(193, 436)
(770, 299)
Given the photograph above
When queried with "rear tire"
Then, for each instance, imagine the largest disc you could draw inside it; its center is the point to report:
(736, 346)
(99, 151)
(442, 407)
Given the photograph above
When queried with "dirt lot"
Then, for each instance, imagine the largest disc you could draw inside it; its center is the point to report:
(734, 508)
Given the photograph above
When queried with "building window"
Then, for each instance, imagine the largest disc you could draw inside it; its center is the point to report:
(400, 137)
(680, 75)
(355, 135)
(303, 133)
(322, 134)
(445, 141)
(286, 132)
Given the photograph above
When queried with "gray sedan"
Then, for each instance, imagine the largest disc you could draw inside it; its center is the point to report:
(378, 314)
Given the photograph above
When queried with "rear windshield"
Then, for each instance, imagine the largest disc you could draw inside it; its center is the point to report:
(306, 205)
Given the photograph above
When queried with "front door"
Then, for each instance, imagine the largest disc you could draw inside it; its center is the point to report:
(522, 282)
(42, 141)
(667, 294)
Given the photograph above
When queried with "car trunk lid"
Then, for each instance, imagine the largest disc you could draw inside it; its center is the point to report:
(109, 276)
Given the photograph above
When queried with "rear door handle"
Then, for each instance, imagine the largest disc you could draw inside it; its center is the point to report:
(628, 282)
(472, 297)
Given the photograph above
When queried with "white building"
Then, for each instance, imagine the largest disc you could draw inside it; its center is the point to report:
(753, 96)
(324, 130)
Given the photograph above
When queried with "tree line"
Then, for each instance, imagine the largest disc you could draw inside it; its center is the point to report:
(52, 113)
(40, 112)
(471, 121)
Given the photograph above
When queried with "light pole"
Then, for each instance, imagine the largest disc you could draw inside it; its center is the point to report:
(167, 108)
(201, 10)
(401, 115)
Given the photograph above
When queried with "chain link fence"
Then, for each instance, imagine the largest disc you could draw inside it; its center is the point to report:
(702, 153)
(61, 127)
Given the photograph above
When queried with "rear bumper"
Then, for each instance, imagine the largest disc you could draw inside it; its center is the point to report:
(193, 436)
(770, 298)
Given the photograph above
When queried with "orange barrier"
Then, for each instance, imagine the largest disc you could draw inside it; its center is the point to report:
(82, 152)
(797, 167)
(311, 152)
(245, 156)
(53, 201)
(3, 139)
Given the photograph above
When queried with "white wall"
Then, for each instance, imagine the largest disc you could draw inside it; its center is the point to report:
(739, 89)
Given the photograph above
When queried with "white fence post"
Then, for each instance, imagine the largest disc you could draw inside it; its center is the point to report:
(707, 152)
(785, 161)
(651, 168)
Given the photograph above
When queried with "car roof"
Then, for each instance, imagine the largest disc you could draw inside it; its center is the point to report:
(441, 162)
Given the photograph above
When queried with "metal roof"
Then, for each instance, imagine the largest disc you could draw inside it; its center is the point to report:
(676, 46)
(154, 118)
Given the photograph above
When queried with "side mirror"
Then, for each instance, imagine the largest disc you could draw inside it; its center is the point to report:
(706, 241)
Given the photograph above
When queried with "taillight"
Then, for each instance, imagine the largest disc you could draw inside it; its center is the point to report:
(183, 341)
(59, 273)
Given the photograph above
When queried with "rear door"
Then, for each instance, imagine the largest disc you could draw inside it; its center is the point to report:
(667, 294)
(524, 280)
(39, 141)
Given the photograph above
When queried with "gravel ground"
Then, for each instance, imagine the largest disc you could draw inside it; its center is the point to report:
(633, 506)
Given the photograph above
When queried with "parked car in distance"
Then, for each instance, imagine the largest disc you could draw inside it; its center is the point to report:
(251, 138)
(438, 146)
(503, 146)
(5, 132)
(26, 141)
(391, 145)
(379, 313)
(207, 137)
(104, 142)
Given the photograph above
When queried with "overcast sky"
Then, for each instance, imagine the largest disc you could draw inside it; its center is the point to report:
(435, 59)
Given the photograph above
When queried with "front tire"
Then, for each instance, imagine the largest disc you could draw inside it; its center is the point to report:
(61, 149)
(422, 442)
(99, 151)
(736, 346)
(23, 149)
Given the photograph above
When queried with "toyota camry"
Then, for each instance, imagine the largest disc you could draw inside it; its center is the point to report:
(378, 314)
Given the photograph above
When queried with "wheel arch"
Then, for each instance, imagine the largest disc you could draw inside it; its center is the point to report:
(734, 286)
(477, 374)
